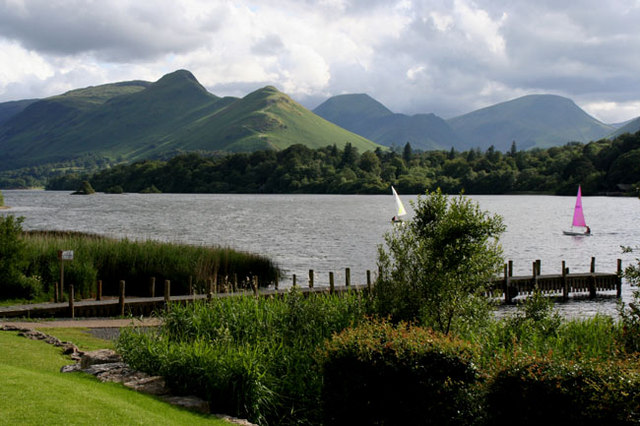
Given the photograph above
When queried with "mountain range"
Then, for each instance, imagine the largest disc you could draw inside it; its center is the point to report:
(138, 120)
(540, 121)
(135, 120)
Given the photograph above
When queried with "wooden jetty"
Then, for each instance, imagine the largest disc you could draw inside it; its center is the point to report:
(507, 288)
(564, 283)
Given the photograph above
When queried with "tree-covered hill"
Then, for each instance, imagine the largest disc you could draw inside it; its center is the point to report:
(602, 167)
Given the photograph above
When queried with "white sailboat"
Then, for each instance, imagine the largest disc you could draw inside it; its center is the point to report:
(401, 211)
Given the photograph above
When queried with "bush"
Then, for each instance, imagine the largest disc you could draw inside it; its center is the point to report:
(538, 391)
(252, 358)
(378, 373)
(13, 282)
(435, 267)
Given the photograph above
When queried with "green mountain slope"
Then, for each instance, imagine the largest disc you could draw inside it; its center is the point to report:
(264, 119)
(365, 116)
(531, 121)
(10, 109)
(632, 126)
(139, 120)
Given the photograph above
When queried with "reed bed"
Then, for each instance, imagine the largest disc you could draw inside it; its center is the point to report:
(111, 260)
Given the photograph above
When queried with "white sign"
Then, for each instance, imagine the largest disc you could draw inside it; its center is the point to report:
(66, 254)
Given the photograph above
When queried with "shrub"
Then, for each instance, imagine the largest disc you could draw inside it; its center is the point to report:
(378, 373)
(538, 391)
(13, 282)
(435, 267)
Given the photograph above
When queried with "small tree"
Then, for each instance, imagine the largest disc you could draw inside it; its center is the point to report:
(434, 268)
(13, 283)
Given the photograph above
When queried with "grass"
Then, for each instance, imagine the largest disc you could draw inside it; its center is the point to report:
(80, 336)
(33, 391)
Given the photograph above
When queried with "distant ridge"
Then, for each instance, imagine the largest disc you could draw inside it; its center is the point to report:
(365, 116)
(632, 126)
(138, 120)
(531, 121)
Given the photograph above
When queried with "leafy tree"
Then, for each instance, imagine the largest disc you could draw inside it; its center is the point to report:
(13, 283)
(434, 268)
(1, 199)
(407, 153)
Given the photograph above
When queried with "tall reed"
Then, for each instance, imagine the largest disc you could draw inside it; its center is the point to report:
(111, 260)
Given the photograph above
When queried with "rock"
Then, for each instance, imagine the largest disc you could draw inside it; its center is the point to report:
(70, 368)
(152, 385)
(191, 403)
(101, 356)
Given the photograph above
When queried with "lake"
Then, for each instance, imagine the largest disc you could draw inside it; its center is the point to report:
(331, 232)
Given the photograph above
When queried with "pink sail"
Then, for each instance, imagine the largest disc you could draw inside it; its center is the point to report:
(578, 215)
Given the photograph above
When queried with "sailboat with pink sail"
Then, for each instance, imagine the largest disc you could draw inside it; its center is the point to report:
(578, 226)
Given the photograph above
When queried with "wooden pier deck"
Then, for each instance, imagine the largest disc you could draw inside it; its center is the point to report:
(507, 288)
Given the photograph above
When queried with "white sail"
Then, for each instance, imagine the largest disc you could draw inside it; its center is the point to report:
(400, 206)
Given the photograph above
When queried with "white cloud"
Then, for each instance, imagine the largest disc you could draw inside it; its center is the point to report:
(443, 56)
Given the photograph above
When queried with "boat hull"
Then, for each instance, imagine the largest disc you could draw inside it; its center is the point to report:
(576, 234)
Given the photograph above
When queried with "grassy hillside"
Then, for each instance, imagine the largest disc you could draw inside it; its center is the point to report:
(631, 127)
(352, 111)
(33, 391)
(137, 120)
(10, 109)
(531, 121)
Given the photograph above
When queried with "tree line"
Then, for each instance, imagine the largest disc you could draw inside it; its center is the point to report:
(601, 167)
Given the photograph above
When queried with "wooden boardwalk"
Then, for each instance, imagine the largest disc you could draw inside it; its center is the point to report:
(507, 288)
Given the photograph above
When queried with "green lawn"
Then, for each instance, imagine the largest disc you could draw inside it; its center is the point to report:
(33, 391)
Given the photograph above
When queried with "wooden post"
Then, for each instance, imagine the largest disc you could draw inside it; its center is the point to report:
(294, 280)
(535, 277)
(347, 277)
(56, 297)
(539, 267)
(619, 280)
(99, 290)
(511, 268)
(592, 286)
(310, 278)
(368, 281)
(121, 298)
(152, 286)
(275, 284)
(593, 265)
(71, 307)
(505, 285)
(565, 282)
(61, 278)
(167, 291)
(332, 287)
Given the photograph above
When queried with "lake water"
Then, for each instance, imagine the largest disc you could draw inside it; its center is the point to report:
(331, 232)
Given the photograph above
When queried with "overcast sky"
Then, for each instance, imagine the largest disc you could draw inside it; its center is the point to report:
(430, 56)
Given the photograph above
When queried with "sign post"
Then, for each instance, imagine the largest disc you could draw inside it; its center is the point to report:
(63, 255)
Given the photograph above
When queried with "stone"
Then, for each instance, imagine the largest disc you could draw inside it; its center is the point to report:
(152, 385)
(70, 368)
(101, 356)
(191, 403)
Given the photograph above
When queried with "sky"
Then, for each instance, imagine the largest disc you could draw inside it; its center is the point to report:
(447, 57)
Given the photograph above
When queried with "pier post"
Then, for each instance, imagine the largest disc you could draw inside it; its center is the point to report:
(310, 278)
(121, 298)
(539, 267)
(99, 290)
(369, 281)
(295, 281)
(593, 265)
(511, 268)
(56, 298)
(505, 284)
(347, 277)
(152, 286)
(332, 287)
(535, 277)
(619, 280)
(565, 283)
(167, 291)
(275, 284)
(72, 309)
